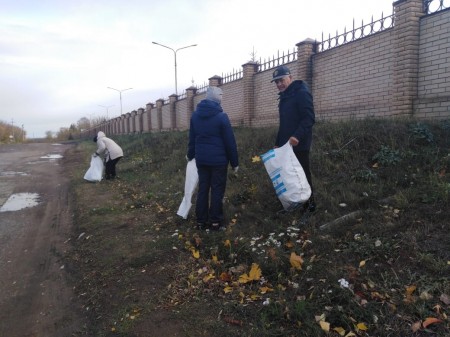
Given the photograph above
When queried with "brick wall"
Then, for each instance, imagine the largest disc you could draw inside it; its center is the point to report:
(403, 70)
(433, 99)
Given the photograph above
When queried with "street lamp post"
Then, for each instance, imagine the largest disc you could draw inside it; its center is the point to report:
(120, 95)
(106, 107)
(175, 55)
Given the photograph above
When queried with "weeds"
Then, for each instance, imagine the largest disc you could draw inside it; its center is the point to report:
(266, 275)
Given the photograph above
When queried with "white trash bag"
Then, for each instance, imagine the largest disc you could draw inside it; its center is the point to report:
(287, 175)
(190, 185)
(95, 171)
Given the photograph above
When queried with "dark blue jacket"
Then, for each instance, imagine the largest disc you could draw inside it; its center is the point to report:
(211, 138)
(297, 116)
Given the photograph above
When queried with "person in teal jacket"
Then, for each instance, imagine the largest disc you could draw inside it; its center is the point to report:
(296, 110)
(213, 145)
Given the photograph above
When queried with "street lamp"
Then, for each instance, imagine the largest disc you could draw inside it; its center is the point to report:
(175, 55)
(120, 95)
(107, 107)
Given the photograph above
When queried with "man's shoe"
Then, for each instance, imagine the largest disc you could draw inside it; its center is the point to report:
(310, 205)
(201, 226)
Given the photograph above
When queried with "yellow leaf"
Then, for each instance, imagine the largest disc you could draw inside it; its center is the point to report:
(256, 159)
(340, 331)
(214, 258)
(208, 277)
(227, 290)
(244, 278)
(362, 263)
(254, 275)
(255, 272)
(195, 253)
(264, 290)
(255, 297)
(410, 289)
(227, 243)
(296, 261)
(325, 326)
(350, 334)
(361, 326)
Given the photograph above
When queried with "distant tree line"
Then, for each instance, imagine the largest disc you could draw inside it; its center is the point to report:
(74, 130)
(10, 133)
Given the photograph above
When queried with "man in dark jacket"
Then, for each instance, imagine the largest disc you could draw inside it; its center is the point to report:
(212, 144)
(297, 118)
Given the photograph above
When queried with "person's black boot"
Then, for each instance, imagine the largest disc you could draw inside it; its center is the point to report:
(310, 205)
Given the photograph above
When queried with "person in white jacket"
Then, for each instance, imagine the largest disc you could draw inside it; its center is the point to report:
(112, 152)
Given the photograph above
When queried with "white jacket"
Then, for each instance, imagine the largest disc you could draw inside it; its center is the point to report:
(108, 147)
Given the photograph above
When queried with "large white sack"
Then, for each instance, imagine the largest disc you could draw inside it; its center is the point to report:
(95, 171)
(190, 185)
(287, 175)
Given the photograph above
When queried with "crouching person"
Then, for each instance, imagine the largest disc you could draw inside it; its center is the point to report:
(112, 153)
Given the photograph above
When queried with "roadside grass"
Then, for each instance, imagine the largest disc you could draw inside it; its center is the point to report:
(372, 261)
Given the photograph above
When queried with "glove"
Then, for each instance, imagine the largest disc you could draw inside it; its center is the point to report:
(236, 169)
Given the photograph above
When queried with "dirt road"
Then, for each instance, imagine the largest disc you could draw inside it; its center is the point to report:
(36, 299)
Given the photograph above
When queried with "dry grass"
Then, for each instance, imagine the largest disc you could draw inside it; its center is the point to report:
(136, 265)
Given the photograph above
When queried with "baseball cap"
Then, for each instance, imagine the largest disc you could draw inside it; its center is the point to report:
(280, 72)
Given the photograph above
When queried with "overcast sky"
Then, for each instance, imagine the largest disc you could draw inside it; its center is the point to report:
(57, 57)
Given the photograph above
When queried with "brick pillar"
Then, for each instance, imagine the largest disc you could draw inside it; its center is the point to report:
(406, 54)
(133, 115)
(249, 69)
(190, 94)
(159, 105)
(122, 125)
(215, 81)
(139, 121)
(127, 123)
(148, 109)
(305, 50)
(173, 111)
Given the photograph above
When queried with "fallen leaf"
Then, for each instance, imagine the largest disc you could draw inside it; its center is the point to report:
(416, 326)
(296, 261)
(208, 277)
(445, 299)
(289, 244)
(225, 277)
(227, 290)
(195, 253)
(264, 290)
(430, 320)
(425, 295)
(361, 326)
(256, 159)
(253, 275)
(255, 272)
(340, 331)
(350, 334)
(362, 263)
(227, 243)
(325, 326)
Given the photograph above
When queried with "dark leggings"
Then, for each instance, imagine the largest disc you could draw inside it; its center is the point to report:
(110, 168)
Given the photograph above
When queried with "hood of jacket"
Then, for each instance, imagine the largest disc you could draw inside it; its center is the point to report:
(208, 108)
(100, 134)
